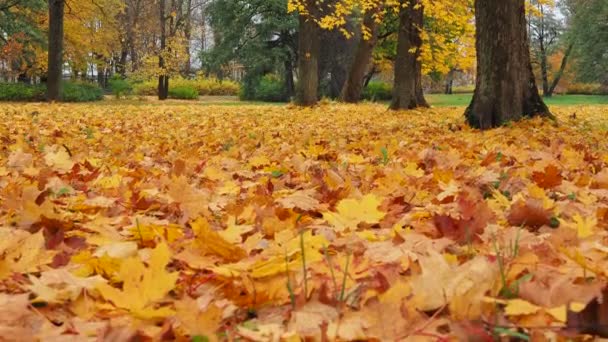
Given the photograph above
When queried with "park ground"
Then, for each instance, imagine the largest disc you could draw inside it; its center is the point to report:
(281, 220)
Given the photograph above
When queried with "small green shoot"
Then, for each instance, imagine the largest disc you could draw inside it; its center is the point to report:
(331, 269)
(385, 158)
(554, 222)
(499, 156)
(199, 338)
(276, 173)
(572, 196)
(502, 331)
(292, 295)
(304, 263)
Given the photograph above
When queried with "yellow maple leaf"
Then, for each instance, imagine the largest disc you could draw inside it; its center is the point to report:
(518, 307)
(59, 159)
(584, 226)
(143, 287)
(22, 253)
(351, 212)
(212, 242)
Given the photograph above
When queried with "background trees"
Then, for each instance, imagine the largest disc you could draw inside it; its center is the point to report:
(257, 43)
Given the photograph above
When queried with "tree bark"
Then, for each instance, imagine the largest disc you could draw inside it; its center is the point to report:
(407, 88)
(449, 83)
(353, 87)
(289, 84)
(505, 88)
(561, 70)
(308, 58)
(55, 59)
(188, 36)
(163, 78)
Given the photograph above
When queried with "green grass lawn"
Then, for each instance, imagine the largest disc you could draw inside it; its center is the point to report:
(441, 100)
(436, 100)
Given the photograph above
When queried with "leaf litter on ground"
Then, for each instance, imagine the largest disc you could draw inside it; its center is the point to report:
(339, 222)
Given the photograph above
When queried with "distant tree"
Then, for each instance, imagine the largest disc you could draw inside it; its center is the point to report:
(589, 24)
(547, 36)
(505, 89)
(20, 36)
(55, 59)
(258, 34)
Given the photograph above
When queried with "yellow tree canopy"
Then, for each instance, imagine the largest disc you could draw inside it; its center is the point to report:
(448, 35)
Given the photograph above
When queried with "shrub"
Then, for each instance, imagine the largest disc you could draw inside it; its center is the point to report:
(22, 92)
(204, 86)
(586, 89)
(183, 92)
(120, 87)
(465, 89)
(270, 89)
(81, 92)
(378, 91)
(72, 92)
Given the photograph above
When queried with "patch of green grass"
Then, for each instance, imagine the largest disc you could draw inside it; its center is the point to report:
(442, 100)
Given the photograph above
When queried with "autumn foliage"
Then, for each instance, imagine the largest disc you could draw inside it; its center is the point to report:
(276, 223)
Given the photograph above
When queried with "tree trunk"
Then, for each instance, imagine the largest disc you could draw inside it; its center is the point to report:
(505, 88)
(407, 88)
(561, 70)
(188, 36)
(308, 59)
(544, 68)
(353, 87)
(55, 60)
(289, 85)
(163, 78)
(449, 83)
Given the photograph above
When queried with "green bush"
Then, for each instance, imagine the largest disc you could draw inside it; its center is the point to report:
(378, 91)
(21, 92)
(120, 87)
(204, 86)
(465, 89)
(586, 89)
(72, 92)
(270, 89)
(183, 92)
(81, 92)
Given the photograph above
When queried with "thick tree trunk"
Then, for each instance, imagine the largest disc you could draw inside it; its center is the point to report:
(163, 79)
(353, 87)
(561, 70)
(55, 60)
(505, 88)
(308, 59)
(407, 89)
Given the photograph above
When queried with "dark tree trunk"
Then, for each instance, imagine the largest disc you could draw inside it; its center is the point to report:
(369, 75)
(289, 85)
(544, 67)
(505, 88)
(308, 59)
(407, 89)
(449, 83)
(353, 87)
(561, 70)
(55, 60)
(163, 78)
(188, 36)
